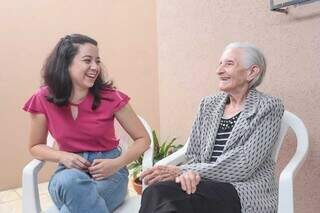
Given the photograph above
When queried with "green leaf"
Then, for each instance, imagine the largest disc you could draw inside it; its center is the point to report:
(169, 147)
(161, 150)
(155, 141)
(136, 171)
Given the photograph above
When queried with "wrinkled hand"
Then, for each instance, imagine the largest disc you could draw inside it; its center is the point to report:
(102, 168)
(71, 160)
(189, 181)
(160, 173)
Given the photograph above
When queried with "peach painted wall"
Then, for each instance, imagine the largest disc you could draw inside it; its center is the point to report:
(191, 37)
(126, 32)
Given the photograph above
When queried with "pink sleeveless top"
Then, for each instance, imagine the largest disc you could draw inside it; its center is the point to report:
(92, 130)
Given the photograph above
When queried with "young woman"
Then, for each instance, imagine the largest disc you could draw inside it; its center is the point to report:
(78, 108)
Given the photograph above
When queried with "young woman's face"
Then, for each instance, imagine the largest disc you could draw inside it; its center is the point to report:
(85, 67)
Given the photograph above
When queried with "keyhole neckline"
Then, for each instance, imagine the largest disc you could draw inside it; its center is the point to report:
(80, 102)
(73, 104)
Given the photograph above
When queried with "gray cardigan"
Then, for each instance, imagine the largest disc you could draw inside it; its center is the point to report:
(246, 161)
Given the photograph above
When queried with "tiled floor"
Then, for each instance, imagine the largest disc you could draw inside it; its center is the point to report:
(11, 200)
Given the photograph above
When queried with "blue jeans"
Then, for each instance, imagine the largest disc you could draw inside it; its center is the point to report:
(74, 191)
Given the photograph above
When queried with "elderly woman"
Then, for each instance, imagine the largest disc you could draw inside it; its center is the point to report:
(230, 167)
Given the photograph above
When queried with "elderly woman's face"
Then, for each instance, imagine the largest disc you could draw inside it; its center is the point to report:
(233, 77)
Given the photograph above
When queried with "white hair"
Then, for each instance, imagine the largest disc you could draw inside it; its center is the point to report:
(251, 56)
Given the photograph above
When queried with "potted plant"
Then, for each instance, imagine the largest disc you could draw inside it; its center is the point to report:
(160, 151)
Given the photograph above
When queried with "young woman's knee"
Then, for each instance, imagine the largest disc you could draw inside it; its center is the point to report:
(69, 178)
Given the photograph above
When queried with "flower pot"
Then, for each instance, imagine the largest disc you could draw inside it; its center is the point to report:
(137, 185)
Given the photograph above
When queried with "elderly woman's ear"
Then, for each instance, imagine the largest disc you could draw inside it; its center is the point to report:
(253, 72)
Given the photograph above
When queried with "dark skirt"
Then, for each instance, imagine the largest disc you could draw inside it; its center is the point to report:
(210, 197)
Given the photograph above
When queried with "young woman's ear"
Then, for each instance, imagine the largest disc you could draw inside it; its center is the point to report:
(253, 71)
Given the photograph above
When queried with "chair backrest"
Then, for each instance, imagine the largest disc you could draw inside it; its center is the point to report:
(125, 139)
(122, 135)
(289, 120)
(283, 131)
(50, 140)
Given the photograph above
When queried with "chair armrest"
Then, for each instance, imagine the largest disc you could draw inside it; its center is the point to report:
(175, 158)
(30, 192)
(286, 199)
(147, 161)
(286, 178)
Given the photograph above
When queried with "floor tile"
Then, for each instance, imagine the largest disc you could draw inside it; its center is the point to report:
(45, 201)
(9, 195)
(18, 191)
(43, 188)
(11, 207)
(11, 200)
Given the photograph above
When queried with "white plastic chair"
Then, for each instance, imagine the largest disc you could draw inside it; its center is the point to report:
(30, 198)
(286, 199)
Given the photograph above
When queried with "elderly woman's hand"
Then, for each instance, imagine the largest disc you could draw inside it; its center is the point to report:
(160, 173)
(189, 181)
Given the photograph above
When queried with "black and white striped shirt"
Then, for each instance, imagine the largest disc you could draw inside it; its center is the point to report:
(224, 131)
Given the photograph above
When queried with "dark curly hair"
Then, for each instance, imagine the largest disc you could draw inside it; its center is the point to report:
(56, 71)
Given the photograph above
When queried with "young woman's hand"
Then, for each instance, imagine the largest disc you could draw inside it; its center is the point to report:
(102, 168)
(71, 160)
(160, 173)
(189, 181)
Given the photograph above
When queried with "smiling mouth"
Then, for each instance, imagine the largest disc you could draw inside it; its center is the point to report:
(91, 75)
